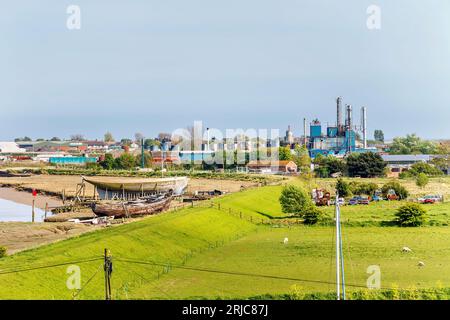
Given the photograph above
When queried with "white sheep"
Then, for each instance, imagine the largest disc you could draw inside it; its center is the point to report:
(406, 249)
(286, 240)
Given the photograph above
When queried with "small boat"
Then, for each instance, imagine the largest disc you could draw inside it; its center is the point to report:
(134, 208)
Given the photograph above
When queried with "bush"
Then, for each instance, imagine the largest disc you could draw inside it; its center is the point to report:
(397, 187)
(425, 168)
(410, 215)
(295, 200)
(311, 215)
(422, 180)
(2, 252)
(343, 188)
(363, 188)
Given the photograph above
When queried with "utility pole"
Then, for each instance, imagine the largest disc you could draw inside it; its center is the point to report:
(107, 267)
(339, 253)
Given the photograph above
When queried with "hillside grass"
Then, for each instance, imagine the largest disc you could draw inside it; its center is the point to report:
(168, 238)
(309, 255)
(222, 244)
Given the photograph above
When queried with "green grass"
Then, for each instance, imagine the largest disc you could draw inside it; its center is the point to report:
(225, 246)
(170, 238)
(309, 255)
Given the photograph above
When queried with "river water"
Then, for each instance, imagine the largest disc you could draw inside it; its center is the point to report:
(13, 211)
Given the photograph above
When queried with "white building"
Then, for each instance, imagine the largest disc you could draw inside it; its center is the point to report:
(10, 147)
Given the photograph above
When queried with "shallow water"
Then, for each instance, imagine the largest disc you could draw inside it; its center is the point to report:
(12, 211)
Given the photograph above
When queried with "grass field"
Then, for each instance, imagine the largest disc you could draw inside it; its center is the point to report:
(204, 252)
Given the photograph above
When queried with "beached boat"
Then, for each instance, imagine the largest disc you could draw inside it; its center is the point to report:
(115, 188)
(140, 207)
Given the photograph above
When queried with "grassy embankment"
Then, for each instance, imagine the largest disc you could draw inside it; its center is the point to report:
(239, 252)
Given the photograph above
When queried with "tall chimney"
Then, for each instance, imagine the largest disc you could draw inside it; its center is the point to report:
(339, 113)
(304, 132)
(348, 122)
(364, 126)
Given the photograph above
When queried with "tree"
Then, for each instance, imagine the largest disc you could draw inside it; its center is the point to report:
(108, 137)
(343, 188)
(77, 137)
(412, 144)
(148, 143)
(360, 188)
(138, 138)
(23, 139)
(378, 135)
(126, 142)
(311, 215)
(295, 200)
(284, 153)
(365, 165)
(40, 139)
(422, 180)
(400, 191)
(108, 162)
(410, 215)
(302, 158)
(55, 139)
(147, 160)
(425, 168)
(126, 161)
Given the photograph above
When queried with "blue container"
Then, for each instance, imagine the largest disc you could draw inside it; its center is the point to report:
(71, 160)
(315, 130)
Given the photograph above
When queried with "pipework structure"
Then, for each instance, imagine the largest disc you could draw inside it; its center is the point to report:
(340, 139)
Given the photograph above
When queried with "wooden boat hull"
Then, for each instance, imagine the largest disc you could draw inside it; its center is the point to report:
(132, 208)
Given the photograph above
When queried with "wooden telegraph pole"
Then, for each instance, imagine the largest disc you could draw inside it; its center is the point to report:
(108, 270)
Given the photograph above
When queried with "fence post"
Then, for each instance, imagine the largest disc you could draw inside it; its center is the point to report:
(32, 211)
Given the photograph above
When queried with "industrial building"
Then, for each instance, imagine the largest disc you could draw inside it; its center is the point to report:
(340, 138)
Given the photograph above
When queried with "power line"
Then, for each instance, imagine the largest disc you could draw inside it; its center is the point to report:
(87, 282)
(262, 275)
(8, 271)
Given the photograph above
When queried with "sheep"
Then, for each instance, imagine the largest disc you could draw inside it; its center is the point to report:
(286, 240)
(406, 249)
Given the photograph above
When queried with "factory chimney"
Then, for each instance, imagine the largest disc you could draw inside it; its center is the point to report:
(339, 113)
(348, 127)
(364, 126)
(304, 132)
(348, 121)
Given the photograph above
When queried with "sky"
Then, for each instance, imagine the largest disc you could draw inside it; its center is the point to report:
(154, 66)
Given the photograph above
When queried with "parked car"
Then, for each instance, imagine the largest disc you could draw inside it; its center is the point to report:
(354, 201)
(365, 201)
(429, 199)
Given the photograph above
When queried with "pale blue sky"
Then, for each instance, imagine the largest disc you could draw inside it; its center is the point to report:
(150, 66)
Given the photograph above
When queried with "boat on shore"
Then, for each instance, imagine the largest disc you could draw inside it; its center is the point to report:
(118, 188)
(135, 208)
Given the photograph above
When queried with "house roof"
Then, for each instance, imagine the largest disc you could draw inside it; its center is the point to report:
(270, 163)
(406, 157)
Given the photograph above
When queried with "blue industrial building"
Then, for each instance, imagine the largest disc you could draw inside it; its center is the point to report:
(72, 160)
(339, 139)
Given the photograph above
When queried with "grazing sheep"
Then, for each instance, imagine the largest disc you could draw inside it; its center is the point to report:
(421, 264)
(406, 249)
(286, 240)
